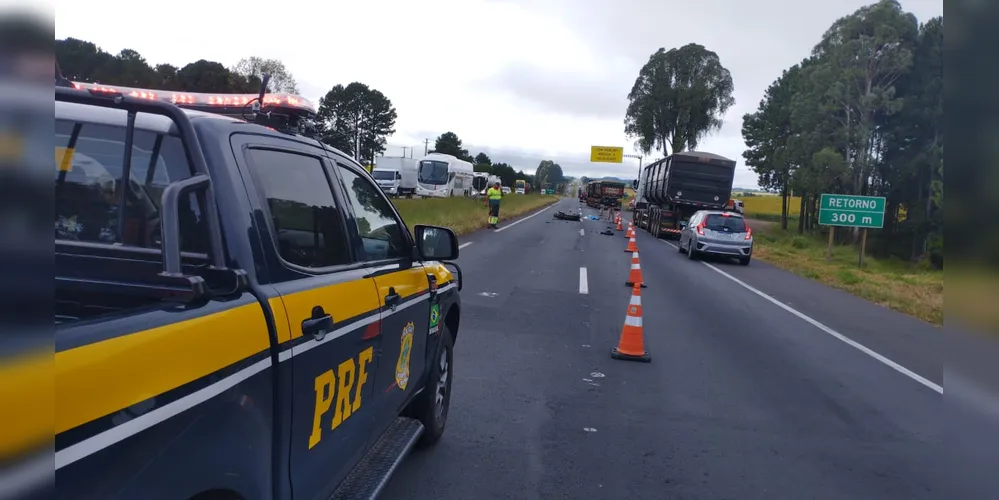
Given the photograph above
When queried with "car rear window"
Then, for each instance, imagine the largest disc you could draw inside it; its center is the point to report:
(729, 223)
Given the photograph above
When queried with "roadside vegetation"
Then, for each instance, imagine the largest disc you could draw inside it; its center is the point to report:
(464, 215)
(916, 290)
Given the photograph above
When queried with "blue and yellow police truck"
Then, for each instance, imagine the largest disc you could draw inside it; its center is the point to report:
(240, 311)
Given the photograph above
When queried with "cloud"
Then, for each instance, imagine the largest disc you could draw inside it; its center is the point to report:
(526, 79)
(579, 93)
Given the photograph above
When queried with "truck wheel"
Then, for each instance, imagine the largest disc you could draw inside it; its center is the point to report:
(431, 406)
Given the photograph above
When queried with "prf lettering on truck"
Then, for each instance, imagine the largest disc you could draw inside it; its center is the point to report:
(344, 384)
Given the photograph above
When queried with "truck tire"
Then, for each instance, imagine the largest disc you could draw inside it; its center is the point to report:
(431, 406)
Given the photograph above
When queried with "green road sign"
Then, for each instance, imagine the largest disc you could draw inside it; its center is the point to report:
(852, 211)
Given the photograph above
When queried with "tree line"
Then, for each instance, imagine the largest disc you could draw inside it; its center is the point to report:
(548, 174)
(861, 115)
(353, 118)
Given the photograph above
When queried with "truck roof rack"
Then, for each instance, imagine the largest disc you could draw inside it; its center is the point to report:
(82, 267)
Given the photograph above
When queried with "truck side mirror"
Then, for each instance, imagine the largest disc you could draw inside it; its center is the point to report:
(634, 184)
(436, 243)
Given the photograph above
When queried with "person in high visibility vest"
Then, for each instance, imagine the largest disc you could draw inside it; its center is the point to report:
(495, 194)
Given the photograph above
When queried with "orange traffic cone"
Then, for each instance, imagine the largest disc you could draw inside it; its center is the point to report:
(632, 245)
(635, 275)
(631, 230)
(619, 228)
(631, 347)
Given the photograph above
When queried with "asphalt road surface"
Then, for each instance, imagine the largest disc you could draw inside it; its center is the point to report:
(762, 384)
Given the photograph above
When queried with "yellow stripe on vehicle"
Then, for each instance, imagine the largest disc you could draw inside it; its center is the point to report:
(101, 378)
(28, 411)
(342, 301)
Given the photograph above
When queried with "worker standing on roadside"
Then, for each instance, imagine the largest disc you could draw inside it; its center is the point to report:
(495, 194)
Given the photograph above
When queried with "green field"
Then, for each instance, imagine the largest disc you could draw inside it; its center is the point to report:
(464, 215)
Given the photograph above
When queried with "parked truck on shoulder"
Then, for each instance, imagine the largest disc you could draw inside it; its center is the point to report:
(604, 194)
(670, 190)
(397, 176)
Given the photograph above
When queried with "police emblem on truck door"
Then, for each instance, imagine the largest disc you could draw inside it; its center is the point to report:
(402, 366)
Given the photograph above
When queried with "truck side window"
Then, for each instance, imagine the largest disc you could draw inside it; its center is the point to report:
(308, 226)
(382, 235)
(88, 181)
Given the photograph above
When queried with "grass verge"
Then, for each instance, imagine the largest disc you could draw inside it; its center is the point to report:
(464, 215)
(899, 285)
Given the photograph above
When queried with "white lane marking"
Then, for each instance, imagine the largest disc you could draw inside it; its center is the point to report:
(584, 285)
(582, 232)
(535, 214)
(848, 341)
(463, 245)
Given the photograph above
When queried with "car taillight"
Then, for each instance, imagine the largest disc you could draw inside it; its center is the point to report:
(700, 228)
(749, 232)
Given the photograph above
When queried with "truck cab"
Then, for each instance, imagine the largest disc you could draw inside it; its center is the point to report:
(240, 310)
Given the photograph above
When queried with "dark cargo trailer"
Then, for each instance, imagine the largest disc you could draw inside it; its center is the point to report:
(604, 194)
(672, 189)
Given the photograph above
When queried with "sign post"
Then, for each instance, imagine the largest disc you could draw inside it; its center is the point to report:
(843, 210)
(606, 154)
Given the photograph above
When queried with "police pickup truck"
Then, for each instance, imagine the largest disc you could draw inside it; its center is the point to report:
(240, 312)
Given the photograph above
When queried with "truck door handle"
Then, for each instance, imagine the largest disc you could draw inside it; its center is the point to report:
(318, 325)
(392, 299)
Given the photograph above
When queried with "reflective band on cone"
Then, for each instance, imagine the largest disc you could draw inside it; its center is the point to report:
(631, 346)
(632, 246)
(635, 274)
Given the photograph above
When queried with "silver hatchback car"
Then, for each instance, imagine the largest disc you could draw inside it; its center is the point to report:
(717, 232)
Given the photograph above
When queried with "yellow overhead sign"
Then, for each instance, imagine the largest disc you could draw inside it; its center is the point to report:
(606, 154)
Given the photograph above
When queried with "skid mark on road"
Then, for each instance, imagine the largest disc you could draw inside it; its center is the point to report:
(804, 317)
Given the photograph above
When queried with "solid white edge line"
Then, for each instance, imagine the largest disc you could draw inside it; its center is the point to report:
(584, 285)
(535, 214)
(463, 245)
(121, 432)
(848, 341)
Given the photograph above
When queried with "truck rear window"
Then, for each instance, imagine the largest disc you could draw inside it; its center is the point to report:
(88, 183)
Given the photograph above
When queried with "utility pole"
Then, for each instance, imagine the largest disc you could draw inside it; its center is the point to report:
(426, 146)
(639, 158)
(404, 148)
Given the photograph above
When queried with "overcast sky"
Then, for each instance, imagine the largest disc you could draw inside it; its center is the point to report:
(522, 80)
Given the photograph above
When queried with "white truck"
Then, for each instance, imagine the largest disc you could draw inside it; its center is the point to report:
(396, 175)
(481, 182)
(443, 175)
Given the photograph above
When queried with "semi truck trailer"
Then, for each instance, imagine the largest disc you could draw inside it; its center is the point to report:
(672, 189)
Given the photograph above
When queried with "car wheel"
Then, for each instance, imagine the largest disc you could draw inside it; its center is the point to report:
(431, 407)
(744, 261)
(691, 253)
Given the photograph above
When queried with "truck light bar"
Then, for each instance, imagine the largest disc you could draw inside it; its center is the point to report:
(206, 101)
